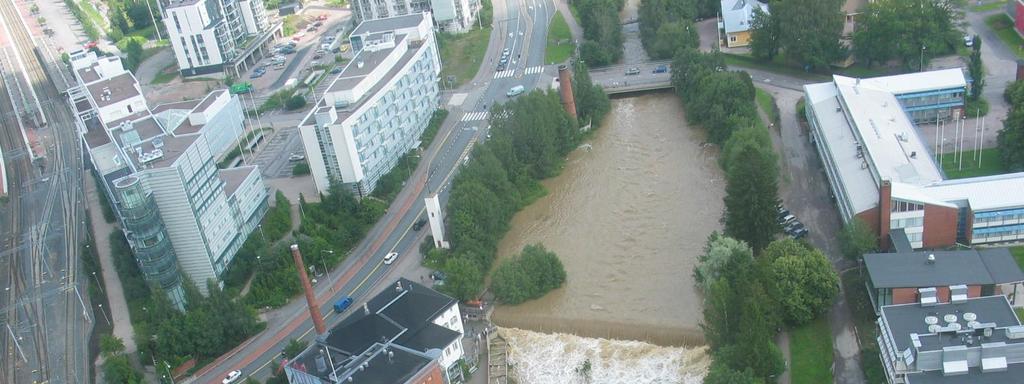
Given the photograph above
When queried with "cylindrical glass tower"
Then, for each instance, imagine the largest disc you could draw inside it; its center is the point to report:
(148, 238)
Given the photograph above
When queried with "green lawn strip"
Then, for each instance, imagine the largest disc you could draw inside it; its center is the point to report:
(989, 6)
(811, 352)
(166, 74)
(560, 45)
(94, 15)
(990, 164)
(462, 54)
(1020, 312)
(767, 103)
(1018, 254)
(1003, 27)
(864, 320)
(773, 66)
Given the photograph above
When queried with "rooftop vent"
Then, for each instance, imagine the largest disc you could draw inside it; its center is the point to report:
(931, 320)
(927, 296)
(360, 64)
(1015, 332)
(958, 294)
(970, 316)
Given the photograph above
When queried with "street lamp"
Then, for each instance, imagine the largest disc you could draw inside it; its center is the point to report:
(169, 375)
(324, 263)
(98, 285)
(923, 48)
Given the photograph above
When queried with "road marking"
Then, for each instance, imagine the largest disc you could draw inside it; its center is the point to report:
(505, 73)
(534, 70)
(474, 116)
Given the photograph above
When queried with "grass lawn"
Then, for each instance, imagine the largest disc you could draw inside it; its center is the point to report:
(559, 46)
(94, 15)
(864, 319)
(776, 65)
(461, 55)
(1018, 254)
(999, 4)
(990, 164)
(766, 101)
(166, 75)
(1003, 27)
(811, 352)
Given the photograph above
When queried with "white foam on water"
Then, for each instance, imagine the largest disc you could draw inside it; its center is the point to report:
(541, 358)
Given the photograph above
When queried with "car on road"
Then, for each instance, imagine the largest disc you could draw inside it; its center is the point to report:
(343, 304)
(968, 41)
(296, 157)
(419, 224)
(501, 67)
(232, 377)
(390, 258)
(633, 71)
(515, 91)
(661, 69)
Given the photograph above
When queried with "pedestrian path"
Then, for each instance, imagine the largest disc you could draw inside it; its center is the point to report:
(534, 70)
(505, 73)
(474, 116)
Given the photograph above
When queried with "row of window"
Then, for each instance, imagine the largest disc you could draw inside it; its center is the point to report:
(905, 206)
(910, 222)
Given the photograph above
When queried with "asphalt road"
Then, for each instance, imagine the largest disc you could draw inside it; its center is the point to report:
(520, 26)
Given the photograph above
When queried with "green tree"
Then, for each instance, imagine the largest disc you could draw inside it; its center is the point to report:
(601, 31)
(720, 99)
(295, 102)
(300, 169)
(464, 280)
(528, 276)
(909, 30)
(721, 373)
(857, 238)
(810, 30)
(745, 132)
(133, 54)
(764, 35)
(804, 281)
(1011, 139)
(111, 345)
(721, 253)
(667, 26)
(117, 369)
(752, 196)
(592, 103)
(294, 348)
(976, 70)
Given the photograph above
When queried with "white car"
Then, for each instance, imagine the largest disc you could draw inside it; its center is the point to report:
(390, 258)
(232, 377)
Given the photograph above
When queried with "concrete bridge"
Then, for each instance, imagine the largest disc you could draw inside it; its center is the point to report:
(614, 79)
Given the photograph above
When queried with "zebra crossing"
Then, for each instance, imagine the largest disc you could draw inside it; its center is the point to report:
(534, 70)
(505, 73)
(474, 116)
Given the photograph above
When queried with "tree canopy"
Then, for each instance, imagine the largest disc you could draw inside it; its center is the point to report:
(667, 26)
(528, 276)
(857, 238)
(810, 30)
(764, 35)
(721, 254)
(802, 278)
(1011, 137)
(908, 30)
(602, 34)
(752, 194)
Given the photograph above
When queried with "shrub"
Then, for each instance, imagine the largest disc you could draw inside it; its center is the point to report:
(528, 276)
(295, 102)
(300, 169)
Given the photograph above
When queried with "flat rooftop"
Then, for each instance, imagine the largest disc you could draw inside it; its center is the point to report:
(112, 90)
(388, 24)
(906, 319)
(971, 267)
(983, 193)
(233, 177)
(353, 73)
(1013, 374)
(909, 83)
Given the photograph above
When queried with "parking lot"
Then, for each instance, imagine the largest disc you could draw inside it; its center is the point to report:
(320, 36)
(279, 154)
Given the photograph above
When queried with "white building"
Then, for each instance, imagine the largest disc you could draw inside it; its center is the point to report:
(158, 166)
(210, 36)
(405, 316)
(375, 110)
(455, 16)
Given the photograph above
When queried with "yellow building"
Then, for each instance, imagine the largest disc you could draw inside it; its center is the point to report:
(737, 16)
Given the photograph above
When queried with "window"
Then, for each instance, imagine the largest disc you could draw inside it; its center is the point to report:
(903, 206)
(732, 39)
(129, 108)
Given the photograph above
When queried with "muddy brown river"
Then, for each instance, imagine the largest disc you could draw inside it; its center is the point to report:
(627, 216)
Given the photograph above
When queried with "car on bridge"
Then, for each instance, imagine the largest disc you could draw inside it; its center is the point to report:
(661, 69)
(633, 71)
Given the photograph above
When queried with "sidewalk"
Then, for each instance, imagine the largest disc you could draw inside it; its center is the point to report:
(115, 293)
(574, 25)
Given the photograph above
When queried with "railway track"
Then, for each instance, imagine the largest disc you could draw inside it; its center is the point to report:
(30, 297)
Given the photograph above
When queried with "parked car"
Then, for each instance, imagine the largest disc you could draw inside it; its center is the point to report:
(296, 157)
(633, 71)
(336, 70)
(793, 227)
(343, 304)
(390, 258)
(785, 220)
(419, 224)
(437, 275)
(256, 74)
(661, 69)
(968, 40)
(799, 233)
(232, 377)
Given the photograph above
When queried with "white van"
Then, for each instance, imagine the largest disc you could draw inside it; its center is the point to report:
(515, 91)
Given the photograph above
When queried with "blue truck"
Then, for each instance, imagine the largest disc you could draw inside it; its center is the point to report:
(342, 304)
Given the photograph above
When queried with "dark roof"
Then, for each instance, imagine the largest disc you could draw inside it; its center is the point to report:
(1013, 374)
(416, 303)
(1001, 265)
(209, 99)
(400, 367)
(233, 177)
(912, 269)
(120, 87)
(432, 336)
(388, 24)
(355, 337)
(905, 319)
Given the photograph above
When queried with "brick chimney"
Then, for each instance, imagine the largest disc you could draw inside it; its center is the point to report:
(565, 89)
(884, 213)
(314, 308)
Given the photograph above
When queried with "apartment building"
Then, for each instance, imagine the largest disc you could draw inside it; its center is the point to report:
(455, 16)
(882, 171)
(375, 110)
(967, 340)
(180, 214)
(211, 36)
(408, 333)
